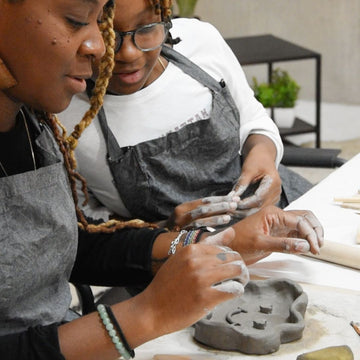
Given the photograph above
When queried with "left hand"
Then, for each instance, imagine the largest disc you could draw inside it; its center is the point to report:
(274, 230)
(269, 189)
(210, 211)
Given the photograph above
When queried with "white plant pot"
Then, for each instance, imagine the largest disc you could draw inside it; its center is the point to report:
(284, 117)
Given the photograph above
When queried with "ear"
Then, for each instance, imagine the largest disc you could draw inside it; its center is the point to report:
(6, 79)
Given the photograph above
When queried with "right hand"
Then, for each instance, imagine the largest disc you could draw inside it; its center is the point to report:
(209, 211)
(191, 283)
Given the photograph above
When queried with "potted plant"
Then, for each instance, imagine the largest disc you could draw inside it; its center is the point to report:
(186, 8)
(280, 94)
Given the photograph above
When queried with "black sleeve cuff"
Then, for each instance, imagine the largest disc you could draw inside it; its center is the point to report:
(37, 343)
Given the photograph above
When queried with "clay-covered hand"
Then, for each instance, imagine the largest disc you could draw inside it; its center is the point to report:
(259, 184)
(192, 282)
(274, 230)
(209, 211)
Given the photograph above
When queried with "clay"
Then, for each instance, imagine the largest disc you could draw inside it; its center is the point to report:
(270, 312)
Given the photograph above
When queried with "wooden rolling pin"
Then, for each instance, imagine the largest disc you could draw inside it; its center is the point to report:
(342, 254)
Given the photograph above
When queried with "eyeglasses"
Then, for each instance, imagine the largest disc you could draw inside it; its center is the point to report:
(145, 38)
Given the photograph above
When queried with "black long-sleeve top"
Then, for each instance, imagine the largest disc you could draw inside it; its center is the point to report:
(120, 258)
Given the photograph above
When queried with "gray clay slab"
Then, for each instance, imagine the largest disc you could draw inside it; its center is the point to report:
(270, 312)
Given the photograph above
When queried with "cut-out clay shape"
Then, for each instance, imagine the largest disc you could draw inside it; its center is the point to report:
(270, 313)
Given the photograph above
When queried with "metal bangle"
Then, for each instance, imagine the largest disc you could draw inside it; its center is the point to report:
(175, 242)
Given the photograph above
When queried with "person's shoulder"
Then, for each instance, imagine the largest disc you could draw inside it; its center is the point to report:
(192, 29)
(194, 35)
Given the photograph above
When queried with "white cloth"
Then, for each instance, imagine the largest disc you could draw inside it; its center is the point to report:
(167, 104)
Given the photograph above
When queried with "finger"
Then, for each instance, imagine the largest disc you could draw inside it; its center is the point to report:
(241, 185)
(236, 284)
(258, 198)
(295, 221)
(222, 238)
(212, 208)
(231, 197)
(285, 245)
(239, 189)
(306, 230)
(316, 225)
(212, 221)
(230, 286)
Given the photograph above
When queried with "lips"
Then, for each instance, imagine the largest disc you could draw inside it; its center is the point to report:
(77, 83)
(129, 77)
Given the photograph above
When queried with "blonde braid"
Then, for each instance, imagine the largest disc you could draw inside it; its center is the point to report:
(105, 71)
(162, 7)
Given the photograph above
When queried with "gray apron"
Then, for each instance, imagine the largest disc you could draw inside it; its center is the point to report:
(38, 241)
(201, 159)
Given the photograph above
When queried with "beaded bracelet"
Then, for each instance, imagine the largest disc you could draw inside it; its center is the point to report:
(112, 333)
(119, 331)
(191, 237)
(175, 242)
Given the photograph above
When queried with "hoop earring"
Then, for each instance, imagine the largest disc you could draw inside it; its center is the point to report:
(6, 79)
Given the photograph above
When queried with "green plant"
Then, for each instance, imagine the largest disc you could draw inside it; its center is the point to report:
(186, 8)
(282, 91)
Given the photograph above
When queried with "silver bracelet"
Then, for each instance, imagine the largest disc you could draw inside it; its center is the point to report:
(175, 242)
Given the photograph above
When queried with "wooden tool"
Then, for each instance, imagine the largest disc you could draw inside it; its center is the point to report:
(352, 199)
(342, 254)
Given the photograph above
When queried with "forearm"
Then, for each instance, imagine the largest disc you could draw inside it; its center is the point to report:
(259, 146)
(87, 338)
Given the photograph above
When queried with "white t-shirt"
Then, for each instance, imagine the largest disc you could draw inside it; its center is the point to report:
(169, 103)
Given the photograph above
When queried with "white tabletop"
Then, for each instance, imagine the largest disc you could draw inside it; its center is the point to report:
(333, 290)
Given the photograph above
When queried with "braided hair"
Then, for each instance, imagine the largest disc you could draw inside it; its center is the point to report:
(67, 144)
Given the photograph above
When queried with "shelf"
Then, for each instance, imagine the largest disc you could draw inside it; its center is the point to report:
(300, 127)
(267, 49)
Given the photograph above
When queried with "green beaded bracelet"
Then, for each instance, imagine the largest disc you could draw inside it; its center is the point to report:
(112, 333)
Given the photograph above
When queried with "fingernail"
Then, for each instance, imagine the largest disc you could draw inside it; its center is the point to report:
(233, 206)
(223, 219)
(302, 246)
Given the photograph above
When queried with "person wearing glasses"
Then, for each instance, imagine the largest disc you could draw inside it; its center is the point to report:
(180, 139)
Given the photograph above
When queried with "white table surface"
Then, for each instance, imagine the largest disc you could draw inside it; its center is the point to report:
(333, 290)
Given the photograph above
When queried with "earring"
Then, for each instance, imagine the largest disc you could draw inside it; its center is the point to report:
(6, 79)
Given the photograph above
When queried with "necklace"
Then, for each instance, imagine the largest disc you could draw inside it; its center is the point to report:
(161, 63)
(30, 144)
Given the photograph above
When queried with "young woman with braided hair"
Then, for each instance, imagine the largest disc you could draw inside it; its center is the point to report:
(173, 126)
(47, 48)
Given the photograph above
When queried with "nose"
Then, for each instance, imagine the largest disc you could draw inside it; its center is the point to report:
(93, 45)
(128, 51)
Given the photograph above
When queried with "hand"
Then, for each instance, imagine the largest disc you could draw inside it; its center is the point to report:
(272, 229)
(210, 211)
(259, 169)
(267, 192)
(191, 283)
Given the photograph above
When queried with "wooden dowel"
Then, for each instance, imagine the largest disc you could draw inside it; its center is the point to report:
(354, 199)
(342, 254)
(350, 206)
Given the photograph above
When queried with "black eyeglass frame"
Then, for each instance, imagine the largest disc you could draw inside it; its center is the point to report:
(121, 34)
